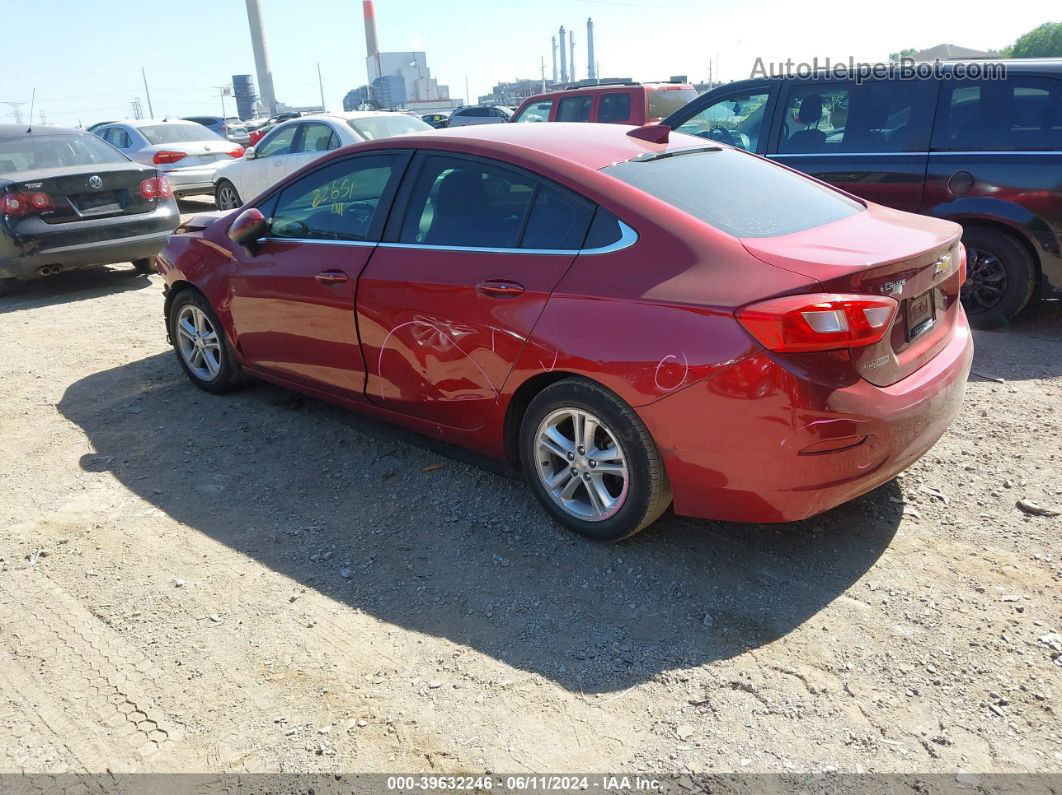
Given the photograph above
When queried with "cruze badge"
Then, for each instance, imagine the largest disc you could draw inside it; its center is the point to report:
(894, 288)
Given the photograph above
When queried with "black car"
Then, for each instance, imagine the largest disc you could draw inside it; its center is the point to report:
(986, 153)
(69, 200)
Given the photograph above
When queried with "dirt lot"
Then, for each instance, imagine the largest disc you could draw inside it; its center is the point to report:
(260, 582)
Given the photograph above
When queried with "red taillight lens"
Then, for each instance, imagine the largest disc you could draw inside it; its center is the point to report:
(237, 152)
(962, 264)
(167, 156)
(16, 205)
(818, 322)
(156, 188)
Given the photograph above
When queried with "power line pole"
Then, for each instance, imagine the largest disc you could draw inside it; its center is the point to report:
(151, 110)
(15, 110)
(320, 83)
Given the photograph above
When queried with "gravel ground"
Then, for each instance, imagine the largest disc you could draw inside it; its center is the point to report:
(261, 582)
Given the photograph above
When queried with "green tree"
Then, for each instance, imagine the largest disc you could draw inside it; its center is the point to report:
(1042, 42)
(908, 53)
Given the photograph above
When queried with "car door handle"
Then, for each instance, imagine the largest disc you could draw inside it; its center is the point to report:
(331, 277)
(500, 288)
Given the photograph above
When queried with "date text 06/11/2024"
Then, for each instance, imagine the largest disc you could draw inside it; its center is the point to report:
(524, 783)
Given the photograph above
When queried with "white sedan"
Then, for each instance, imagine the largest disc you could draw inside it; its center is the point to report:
(184, 152)
(291, 145)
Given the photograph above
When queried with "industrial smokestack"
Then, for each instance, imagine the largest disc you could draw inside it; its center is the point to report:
(372, 47)
(591, 69)
(571, 60)
(564, 56)
(261, 55)
(553, 41)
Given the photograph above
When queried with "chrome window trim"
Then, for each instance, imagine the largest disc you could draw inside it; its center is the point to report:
(628, 237)
(948, 152)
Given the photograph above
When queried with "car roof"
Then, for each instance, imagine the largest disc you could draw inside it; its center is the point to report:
(592, 146)
(16, 130)
(352, 114)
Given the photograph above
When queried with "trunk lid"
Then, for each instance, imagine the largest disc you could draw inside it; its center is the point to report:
(85, 192)
(913, 259)
(197, 153)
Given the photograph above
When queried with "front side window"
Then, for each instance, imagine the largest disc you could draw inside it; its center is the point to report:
(337, 202)
(317, 137)
(536, 111)
(741, 195)
(614, 108)
(34, 151)
(736, 120)
(177, 133)
(871, 117)
(574, 109)
(277, 143)
(1020, 113)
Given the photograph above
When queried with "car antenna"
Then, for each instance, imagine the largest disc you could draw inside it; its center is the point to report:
(33, 101)
(653, 133)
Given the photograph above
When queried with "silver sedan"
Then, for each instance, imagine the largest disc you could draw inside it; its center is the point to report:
(185, 152)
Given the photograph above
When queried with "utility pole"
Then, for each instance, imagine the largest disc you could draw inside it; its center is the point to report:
(223, 91)
(468, 96)
(320, 83)
(15, 110)
(542, 68)
(151, 110)
(43, 119)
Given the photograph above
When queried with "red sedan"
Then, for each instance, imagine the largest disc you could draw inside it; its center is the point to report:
(636, 324)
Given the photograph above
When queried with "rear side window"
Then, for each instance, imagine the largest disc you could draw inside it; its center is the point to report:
(117, 137)
(558, 220)
(665, 101)
(34, 151)
(614, 107)
(871, 117)
(604, 230)
(574, 109)
(740, 194)
(536, 111)
(317, 137)
(1020, 113)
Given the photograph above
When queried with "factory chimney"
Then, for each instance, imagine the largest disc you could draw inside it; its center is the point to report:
(553, 40)
(372, 48)
(261, 56)
(571, 60)
(591, 69)
(564, 55)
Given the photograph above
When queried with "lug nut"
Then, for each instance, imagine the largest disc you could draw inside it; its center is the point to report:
(582, 451)
(593, 464)
(575, 471)
(586, 476)
(571, 456)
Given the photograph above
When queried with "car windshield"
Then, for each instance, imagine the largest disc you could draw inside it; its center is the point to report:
(177, 133)
(32, 151)
(740, 194)
(665, 101)
(372, 127)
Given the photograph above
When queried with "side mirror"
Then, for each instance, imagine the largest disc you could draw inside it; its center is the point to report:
(248, 227)
(249, 153)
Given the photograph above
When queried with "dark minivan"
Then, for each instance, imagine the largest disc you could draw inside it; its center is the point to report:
(985, 153)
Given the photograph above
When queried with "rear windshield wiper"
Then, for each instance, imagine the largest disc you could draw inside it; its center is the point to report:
(648, 157)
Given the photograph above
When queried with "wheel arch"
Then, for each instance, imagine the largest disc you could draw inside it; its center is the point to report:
(517, 408)
(970, 223)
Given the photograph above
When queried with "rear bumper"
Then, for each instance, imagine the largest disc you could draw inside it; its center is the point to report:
(88, 243)
(735, 446)
(192, 180)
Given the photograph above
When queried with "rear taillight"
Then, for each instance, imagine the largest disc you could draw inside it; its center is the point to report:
(156, 188)
(962, 264)
(16, 205)
(237, 152)
(818, 322)
(168, 156)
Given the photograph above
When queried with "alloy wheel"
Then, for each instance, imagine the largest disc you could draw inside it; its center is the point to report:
(581, 464)
(227, 197)
(986, 280)
(198, 342)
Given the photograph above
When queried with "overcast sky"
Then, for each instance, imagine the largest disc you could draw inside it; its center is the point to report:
(84, 56)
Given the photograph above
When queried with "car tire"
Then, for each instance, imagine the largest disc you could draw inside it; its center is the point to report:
(1000, 276)
(145, 266)
(6, 286)
(621, 441)
(212, 368)
(226, 197)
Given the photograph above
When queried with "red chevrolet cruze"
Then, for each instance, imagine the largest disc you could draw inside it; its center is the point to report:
(636, 322)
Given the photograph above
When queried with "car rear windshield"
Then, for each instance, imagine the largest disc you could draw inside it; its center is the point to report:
(738, 193)
(665, 101)
(177, 133)
(30, 152)
(373, 127)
